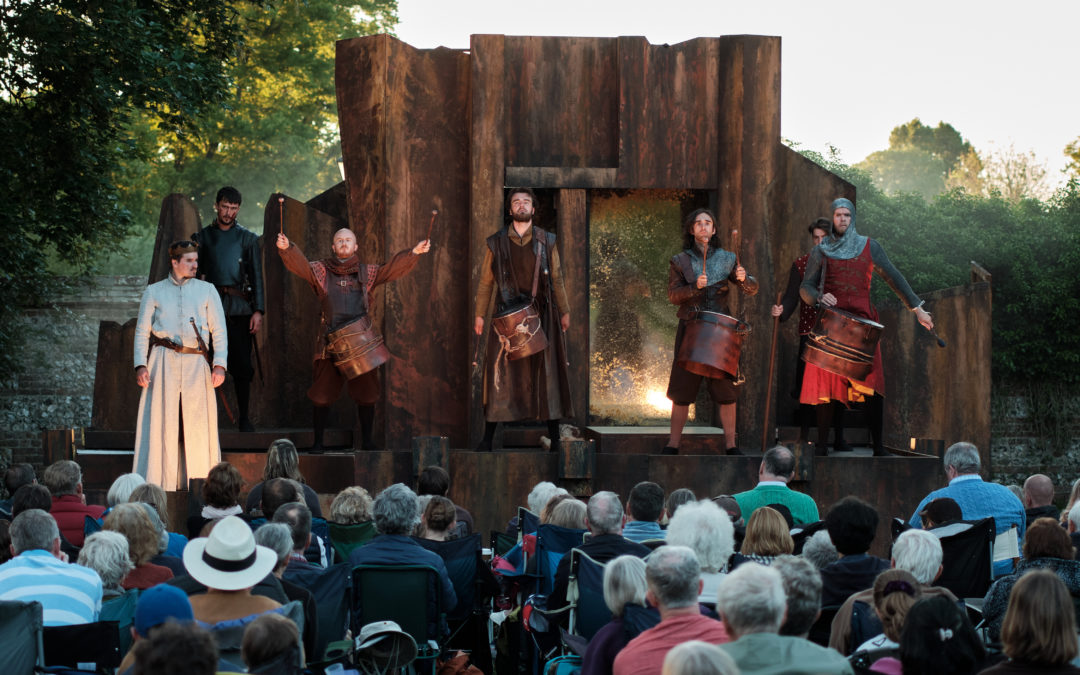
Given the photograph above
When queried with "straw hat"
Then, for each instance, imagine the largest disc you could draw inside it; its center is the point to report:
(228, 560)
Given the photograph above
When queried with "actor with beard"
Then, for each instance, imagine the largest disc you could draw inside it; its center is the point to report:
(343, 285)
(178, 384)
(848, 261)
(519, 258)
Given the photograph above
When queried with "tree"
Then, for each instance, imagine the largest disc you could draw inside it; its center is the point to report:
(923, 160)
(1015, 175)
(278, 131)
(1072, 151)
(73, 75)
(943, 141)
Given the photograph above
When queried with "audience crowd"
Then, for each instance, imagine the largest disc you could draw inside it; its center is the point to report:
(764, 581)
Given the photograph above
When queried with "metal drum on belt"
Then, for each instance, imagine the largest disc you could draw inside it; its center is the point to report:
(357, 347)
(843, 343)
(711, 344)
(519, 331)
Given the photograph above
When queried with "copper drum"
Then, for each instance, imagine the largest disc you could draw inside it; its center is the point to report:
(357, 348)
(519, 331)
(843, 343)
(711, 345)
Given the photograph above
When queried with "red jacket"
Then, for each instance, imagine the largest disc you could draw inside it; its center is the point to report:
(69, 512)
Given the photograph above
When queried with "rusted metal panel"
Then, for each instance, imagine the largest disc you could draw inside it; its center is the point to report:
(577, 459)
(178, 220)
(116, 396)
(429, 451)
(573, 245)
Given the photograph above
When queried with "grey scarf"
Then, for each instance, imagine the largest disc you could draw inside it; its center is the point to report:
(720, 263)
(848, 246)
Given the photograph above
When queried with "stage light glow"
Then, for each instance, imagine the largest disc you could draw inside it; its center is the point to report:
(657, 398)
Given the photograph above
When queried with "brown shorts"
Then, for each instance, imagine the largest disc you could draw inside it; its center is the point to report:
(683, 385)
(326, 383)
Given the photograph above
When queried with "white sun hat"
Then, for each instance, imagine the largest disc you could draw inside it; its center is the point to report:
(229, 559)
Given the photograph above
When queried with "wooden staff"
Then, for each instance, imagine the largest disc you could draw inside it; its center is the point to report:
(434, 214)
(735, 242)
(768, 386)
(281, 215)
(476, 351)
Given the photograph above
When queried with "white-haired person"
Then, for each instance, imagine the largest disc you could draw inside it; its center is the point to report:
(752, 605)
(802, 588)
(707, 530)
(624, 586)
(106, 553)
(121, 489)
(698, 658)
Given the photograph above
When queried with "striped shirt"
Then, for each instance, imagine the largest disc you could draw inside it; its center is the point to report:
(69, 594)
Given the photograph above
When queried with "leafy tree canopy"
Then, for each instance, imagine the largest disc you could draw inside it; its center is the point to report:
(942, 142)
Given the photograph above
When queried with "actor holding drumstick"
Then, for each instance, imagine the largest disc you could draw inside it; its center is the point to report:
(848, 260)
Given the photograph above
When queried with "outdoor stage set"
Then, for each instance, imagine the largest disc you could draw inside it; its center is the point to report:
(573, 118)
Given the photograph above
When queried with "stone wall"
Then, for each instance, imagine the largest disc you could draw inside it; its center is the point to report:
(56, 388)
(1036, 430)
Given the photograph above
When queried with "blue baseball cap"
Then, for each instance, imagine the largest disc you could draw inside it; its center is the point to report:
(158, 604)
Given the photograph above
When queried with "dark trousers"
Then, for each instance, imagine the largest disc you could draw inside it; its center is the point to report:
(240, 337)
(326, 384)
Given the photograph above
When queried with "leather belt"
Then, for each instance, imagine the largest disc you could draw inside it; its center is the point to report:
(231, 290)
(156, 341)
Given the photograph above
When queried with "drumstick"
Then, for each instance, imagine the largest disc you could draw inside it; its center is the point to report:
(735, 245)
(705, 263)
(281, 214)
(940, 342)
(769, 381)
(434, 213)
(476, 353)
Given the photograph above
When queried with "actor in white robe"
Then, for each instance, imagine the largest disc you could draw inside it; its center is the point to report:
(171, 379)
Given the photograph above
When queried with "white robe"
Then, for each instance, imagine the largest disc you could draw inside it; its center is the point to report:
(174, 378)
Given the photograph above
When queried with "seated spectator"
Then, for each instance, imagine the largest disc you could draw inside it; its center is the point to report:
(604, 519)
(707, 531)
(1039, 498)
(1074, 496)
(278, 492)
(229, 564)
(434, 480)
(915, 551)
(132, 521)
(1039, 631)
(943, 515)
(220, 497)
(767, 536)
(938, 639)
(69, 508)
(297, 517)
(676, 499)
(1046, 546)
(162, 558)
(15, 477)
(278, 538)
(351, 506)
(438, 522)
(106, 553)
(1073, 526)
(645, 508)
(624, 585)
(69, 594)
(673, 574)
(698, 658)
(776, 470)
(149, 493)
(751, 603)
(121, 489)
(819, 550)
(852, 524)
(569, 513)
(895, 593)
(977, 498)
(802, 590)
(155, 607)
(282, 461)
(535, 502)
(5, 541)
(272, 641)
(177, 649)
(396, 514)
(559, 498)
(731, 507)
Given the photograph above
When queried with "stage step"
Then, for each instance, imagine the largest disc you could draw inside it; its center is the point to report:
(651, 440)
(257, 441)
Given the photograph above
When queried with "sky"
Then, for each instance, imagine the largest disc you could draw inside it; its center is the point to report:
(1000, 73)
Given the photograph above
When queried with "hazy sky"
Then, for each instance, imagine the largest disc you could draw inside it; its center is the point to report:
(999, 72)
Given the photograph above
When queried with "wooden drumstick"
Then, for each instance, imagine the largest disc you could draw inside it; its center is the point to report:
(735, 244)
(705, 263)
(281, 214)
(940, 342)
(769, 381)
(434, 214)
(476, 353)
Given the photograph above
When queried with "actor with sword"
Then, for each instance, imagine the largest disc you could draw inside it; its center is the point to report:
(174, 369)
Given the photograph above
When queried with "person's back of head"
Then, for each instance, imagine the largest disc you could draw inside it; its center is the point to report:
(351, 506)
(802, 590)
(282, 461)
(604, 513)
(646, 502)
(176, 649)
(731, 507)
(439, 514)
(852, 524)
(222, 487)
(63, 478)
(17, 476)
(751, 600)
(1047, 539)
(278, 538)
(1040, 624)
(396, 510)
(938, 638)
(819, 550)
(541, 493)
(34, 529)
(624, 583)
(570, 514)
(707, 530)
(32, 496)
(767, 534)
(121, 488)
(298, 517)
(895, 592)
(939, 511)
(673, 574)
(154, 495)
(268, 638)
(107, 554)
(677, 499)
(433, 480)
(1038, 491)
(778, 462)
(277, 492)
(918, 552)
(963, 458)
(695, 657)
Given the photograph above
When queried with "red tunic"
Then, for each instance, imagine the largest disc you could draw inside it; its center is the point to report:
(849, 282)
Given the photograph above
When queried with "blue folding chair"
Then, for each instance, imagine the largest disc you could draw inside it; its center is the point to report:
(585, 593)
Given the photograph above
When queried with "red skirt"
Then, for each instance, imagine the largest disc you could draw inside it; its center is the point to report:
(821, 386)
